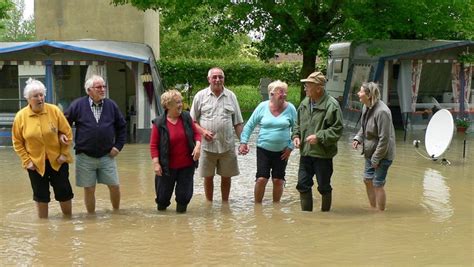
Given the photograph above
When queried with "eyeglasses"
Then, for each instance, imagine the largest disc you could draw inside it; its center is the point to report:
(316, 85)
(100, 87)
(281, 93)
(40, 95)
(217, 77)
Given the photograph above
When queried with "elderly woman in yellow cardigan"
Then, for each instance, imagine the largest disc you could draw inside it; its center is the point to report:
(41, 136)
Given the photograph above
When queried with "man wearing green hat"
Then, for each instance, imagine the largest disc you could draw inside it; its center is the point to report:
(318, 128)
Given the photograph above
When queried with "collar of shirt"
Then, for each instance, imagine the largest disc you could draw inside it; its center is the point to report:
(210, 92)
(91, 103)
(32, 113)
(314, 104)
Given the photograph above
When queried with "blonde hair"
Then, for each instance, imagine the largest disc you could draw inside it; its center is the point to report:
(372, 91)
(277, 85)
(168, 97)
(31, 86)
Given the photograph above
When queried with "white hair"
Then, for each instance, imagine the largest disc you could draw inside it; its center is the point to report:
(33, 85)
(215, 68)
(90, 82)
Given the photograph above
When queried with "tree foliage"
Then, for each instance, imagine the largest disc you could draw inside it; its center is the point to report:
(15, 27)
(407, 19)
(303, 25)
(5, 6)
(190, 36)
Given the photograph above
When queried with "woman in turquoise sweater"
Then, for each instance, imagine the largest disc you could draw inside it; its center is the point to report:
(276, 118)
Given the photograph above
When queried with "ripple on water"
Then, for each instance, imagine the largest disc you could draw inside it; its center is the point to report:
(428, 214)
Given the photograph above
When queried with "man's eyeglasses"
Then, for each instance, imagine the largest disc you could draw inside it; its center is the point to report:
(100, 87)
(217, 77)
(316, 85)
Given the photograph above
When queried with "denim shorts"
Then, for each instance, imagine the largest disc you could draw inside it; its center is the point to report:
(378, 175)
(90, 170)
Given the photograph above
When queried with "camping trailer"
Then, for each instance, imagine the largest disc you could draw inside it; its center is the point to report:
(416, 77)
(129, 70)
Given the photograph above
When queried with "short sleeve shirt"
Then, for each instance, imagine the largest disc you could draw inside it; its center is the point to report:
(217, 114)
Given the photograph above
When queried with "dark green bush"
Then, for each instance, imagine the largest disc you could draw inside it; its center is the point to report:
(241, 72)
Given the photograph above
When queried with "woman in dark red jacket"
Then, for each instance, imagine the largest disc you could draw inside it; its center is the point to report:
(175, 146)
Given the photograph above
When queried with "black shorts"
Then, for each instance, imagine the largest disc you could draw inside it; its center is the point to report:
(269, 160)
(59, 180)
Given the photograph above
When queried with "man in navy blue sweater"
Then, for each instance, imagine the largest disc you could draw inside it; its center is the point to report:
(100, 136)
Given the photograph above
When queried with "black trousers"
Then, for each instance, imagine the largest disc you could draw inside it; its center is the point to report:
(181, 179)
(310, 166)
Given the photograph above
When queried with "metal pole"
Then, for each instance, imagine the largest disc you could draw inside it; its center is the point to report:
(462, 113)
(406, 127)
(464, 147)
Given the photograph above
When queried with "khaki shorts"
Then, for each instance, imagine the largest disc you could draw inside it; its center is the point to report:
(225, 164)
(90, 170)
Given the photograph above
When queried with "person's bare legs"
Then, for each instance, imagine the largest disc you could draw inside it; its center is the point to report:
(115, 196)
(277, 189)
(66, 207)
(42, 208)
(225, 188)
(209, 187)
(380, 197)
(259, 190)
(370, 192)
(89, 198)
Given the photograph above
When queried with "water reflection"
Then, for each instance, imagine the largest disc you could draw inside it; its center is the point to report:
(436, 197)
(427, 221)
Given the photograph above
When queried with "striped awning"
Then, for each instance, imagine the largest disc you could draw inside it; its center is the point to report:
(56, 62)
(76, 50)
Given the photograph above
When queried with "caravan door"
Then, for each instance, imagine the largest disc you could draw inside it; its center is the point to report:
(338, 66)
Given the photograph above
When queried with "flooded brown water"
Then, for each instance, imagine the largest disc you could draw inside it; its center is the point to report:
(428, 221)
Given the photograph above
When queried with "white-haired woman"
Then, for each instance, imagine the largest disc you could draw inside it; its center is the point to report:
(377, 136)
(175, 147)
(41, 136)
(276, 118)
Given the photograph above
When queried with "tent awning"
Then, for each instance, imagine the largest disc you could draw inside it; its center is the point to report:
(128, 51)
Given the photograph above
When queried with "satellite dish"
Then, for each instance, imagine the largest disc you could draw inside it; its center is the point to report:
(439, 133)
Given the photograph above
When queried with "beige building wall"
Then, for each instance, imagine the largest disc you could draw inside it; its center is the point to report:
(67, 20)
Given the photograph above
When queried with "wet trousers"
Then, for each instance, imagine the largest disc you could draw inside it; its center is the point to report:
(311, 166)
(181, 181)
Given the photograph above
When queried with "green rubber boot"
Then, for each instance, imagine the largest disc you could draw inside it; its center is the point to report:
(306, 199)
(326, 200)
(181, 208)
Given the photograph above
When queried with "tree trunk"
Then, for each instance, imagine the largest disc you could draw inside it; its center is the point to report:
(309, 66)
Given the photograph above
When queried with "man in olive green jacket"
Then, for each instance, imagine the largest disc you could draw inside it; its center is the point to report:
(317, 130)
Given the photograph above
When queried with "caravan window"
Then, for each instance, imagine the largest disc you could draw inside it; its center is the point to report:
(338, 65)
(329, 71)
(360, 74)
(435, 82)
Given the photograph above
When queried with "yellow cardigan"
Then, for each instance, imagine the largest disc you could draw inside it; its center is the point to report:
(35, 137)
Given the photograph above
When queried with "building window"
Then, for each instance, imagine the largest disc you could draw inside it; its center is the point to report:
(10, 95)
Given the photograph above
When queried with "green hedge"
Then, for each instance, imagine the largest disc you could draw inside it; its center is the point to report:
(239, 72)
(249, 96)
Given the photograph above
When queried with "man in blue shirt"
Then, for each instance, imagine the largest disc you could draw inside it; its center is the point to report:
(100, 136)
